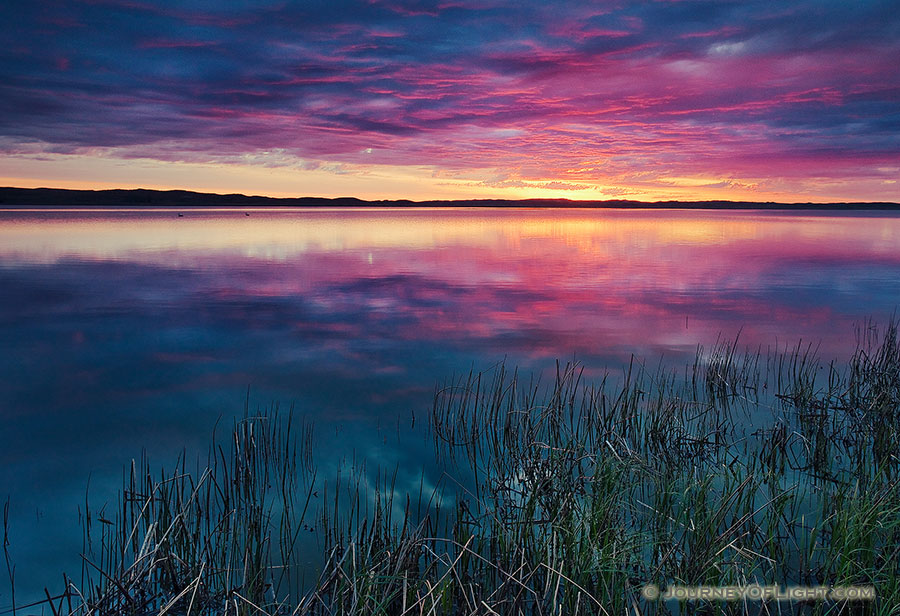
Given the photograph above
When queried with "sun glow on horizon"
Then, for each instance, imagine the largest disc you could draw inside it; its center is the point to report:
(390, 182)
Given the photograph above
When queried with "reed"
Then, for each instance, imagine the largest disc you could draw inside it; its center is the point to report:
(216, 539)
(566, 498)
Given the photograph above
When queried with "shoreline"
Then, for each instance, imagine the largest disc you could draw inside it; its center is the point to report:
(52, 198)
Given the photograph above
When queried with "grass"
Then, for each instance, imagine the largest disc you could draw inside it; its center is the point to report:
(566, 498)
(207, 541)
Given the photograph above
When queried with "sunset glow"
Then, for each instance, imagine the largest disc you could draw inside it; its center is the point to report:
(794, 101)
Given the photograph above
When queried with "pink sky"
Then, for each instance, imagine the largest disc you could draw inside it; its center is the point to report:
(797, 101)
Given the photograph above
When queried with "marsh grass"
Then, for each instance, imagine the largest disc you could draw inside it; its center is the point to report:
(212, 540)
(566, 498)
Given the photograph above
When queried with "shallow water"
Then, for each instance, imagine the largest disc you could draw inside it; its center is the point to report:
(124, 330)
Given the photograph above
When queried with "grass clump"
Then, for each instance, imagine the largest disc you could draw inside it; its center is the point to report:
(218, 540)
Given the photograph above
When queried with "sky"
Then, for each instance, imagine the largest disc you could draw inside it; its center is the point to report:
(651, 100)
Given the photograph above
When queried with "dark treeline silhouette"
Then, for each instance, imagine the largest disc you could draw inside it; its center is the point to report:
(12, 197)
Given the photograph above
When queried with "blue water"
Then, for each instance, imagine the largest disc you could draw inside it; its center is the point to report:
(123, 331)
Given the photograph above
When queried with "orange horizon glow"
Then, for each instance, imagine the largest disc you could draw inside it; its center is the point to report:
(394, 183)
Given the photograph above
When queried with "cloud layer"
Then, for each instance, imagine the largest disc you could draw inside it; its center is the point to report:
(613, 98)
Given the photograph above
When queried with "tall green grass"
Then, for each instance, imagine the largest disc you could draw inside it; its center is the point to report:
(560, 498)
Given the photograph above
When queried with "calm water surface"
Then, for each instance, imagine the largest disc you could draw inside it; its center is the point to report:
(125, 330)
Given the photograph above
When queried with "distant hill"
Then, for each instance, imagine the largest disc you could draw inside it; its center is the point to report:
(12, 197)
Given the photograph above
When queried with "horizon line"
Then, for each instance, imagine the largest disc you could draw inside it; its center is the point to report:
(44, 196)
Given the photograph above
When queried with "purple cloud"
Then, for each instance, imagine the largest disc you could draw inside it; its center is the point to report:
(566, 94)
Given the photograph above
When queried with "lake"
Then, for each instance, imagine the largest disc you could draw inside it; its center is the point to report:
(132, 330)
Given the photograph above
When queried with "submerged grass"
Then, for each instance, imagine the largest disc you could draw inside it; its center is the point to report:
(744, 468)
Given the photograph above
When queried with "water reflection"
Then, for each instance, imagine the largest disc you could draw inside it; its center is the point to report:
(123, 330)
